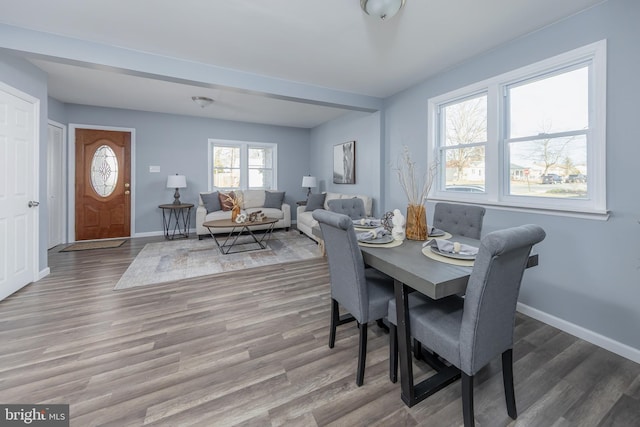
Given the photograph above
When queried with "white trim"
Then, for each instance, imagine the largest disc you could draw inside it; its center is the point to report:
(244, 169)
(592, 207)
(44, 273)
(71, 229)
(595, 338)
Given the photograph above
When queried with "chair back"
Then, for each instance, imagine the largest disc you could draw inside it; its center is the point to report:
(346, 266)
(460, 220)
(353, 208)
(492, 294)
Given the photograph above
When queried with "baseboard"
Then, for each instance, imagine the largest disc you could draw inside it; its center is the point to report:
(151, 234)
(44, 273)
(613, 346)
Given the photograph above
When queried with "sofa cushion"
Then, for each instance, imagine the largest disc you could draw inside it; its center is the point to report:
(216, 215)
(226, 200)
(273, 199)
(253, 199)
(315, 201)
(210, 201)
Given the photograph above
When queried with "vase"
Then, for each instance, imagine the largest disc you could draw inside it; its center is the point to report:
(234, 213)
(416, 222)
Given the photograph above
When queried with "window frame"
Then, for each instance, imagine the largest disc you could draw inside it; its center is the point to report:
(244, 147)
(497, 170)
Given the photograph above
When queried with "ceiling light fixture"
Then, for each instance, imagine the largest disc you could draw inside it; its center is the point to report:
(383, 9)
(202, 101)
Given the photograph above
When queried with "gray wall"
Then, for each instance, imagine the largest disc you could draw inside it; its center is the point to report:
(364, 128)
(29, 79)
(589, 273)
(178, 144)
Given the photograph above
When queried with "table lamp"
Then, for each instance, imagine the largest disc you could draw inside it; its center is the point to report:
(309, 181)
(176, 181)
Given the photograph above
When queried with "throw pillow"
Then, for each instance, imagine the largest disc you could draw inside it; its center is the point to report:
(273, 199)
(315, 201)
(211, 201)
(226, 200)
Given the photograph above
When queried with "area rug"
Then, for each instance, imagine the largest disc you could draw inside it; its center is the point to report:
(98, 244)
(181, 259)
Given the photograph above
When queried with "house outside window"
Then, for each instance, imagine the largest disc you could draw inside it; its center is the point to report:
(242, 165)
(531, 138)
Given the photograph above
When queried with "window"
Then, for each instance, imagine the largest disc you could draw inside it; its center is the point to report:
(242, 165)
(531, 138)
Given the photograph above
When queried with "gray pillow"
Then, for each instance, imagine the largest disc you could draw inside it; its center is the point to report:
(211, 201)
(273, 199)
(315, 201)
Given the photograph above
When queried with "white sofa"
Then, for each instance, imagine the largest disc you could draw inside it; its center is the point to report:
(252, 201)
(305, 221)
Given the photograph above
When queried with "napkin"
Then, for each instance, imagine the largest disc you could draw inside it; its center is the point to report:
(367, 221)
(376, 233)
(433, 230)
(449, 247)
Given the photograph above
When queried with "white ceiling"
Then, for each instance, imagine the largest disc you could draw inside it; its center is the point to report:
(327, 45)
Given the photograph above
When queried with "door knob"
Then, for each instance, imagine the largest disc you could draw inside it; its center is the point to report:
(33, 203)
(127, 192)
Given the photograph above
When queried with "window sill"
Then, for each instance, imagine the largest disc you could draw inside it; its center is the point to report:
(582, 214)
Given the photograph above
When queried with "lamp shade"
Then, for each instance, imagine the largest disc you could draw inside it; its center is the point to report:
(309, 181)
(383, 9)
(176, 181)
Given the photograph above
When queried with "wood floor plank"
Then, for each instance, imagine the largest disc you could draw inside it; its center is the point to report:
(250, 348)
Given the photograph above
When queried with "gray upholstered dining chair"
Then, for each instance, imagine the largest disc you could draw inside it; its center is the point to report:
(469, 332)
(460, 220)
(364, 293)
(353, 208)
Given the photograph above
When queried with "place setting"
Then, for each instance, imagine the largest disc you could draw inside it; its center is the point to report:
(450, 252)
(371, 233)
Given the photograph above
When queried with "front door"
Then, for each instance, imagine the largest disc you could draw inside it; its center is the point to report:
(103, 190)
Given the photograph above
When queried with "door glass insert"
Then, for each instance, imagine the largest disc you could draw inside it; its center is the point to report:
(104, 171)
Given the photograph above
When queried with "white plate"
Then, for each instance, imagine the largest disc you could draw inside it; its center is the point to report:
(382, 240)
(365, 227)
(435, 249)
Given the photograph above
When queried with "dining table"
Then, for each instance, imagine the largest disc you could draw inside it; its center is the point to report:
(413, 271)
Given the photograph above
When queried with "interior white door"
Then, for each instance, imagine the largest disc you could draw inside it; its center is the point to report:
(55, 189)
(18, 175)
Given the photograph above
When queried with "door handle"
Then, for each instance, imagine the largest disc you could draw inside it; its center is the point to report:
(33, 203)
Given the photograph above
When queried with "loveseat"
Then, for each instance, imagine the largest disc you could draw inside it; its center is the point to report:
(271, 203)
(305, 219)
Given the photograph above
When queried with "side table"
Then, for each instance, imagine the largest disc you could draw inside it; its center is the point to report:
(176, 220)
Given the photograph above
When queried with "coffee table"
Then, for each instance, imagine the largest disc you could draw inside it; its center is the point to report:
(230, 244)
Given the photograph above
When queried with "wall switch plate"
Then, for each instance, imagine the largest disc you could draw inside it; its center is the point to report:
(154, 169)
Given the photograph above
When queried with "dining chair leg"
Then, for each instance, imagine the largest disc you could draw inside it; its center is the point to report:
(467, 400)
(362, 354)
(393, 353)
(507, 379)
(335, 318)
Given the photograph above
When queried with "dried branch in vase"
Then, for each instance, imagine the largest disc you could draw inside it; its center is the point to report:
(415, 187)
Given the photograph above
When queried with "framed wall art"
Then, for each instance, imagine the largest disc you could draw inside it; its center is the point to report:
(344, 163)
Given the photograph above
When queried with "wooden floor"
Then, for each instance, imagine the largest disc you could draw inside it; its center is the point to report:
(250, 348)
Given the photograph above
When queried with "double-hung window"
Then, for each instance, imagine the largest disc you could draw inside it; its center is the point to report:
(242, 165)
(531, 138)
